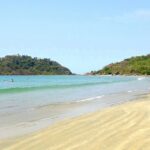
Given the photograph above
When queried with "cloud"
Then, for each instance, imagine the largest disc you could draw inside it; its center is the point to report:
(137, 15)
(142, 14)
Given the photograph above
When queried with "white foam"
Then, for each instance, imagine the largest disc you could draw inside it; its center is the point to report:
(130, 91)
(141, 78)
(91, 98)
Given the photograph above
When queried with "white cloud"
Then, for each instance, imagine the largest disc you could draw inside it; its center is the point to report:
(137, 15)
(142, 14)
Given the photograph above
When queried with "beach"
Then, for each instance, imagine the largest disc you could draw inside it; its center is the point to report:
(122, 127)
(75, 75)
(32, 103)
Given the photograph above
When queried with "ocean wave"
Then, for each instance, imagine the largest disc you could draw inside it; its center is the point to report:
(130, 91)
(44, 87)
(91, 98)
(141, 78)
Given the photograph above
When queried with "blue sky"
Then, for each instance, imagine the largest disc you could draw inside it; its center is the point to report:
(83, 35)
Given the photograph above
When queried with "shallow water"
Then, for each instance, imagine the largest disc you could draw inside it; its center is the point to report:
(29, 103)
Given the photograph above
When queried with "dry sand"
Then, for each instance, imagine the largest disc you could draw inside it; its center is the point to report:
(123, 127)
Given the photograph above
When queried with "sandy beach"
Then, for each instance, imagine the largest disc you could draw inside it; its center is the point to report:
(122, 127)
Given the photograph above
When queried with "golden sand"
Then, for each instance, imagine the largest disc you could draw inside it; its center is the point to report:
(123, 127)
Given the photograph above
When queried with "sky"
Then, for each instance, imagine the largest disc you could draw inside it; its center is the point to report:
(82, 35)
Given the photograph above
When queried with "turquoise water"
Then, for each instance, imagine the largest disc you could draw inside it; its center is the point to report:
(36, 101)
(10, 84)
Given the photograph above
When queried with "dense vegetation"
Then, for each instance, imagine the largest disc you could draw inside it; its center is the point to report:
(139, 65)
(26, 65)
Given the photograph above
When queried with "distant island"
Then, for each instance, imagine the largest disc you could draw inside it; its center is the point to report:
(26, 65)
(139, 65)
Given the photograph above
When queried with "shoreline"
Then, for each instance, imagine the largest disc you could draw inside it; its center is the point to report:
(96, 130)
(123, 75)
(68, 111)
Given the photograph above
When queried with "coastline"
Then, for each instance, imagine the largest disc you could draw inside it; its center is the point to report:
(30, 111)
(125, 126)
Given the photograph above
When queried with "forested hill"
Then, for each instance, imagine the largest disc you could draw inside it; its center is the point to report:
(139, 65)
(26, 65)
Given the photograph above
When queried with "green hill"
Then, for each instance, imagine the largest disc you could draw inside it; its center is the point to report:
(139, 65)
(26, 65)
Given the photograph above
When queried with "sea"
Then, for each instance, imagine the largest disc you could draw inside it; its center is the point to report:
(31, 103)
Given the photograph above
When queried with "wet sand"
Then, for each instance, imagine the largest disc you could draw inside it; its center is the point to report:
(122, 127)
